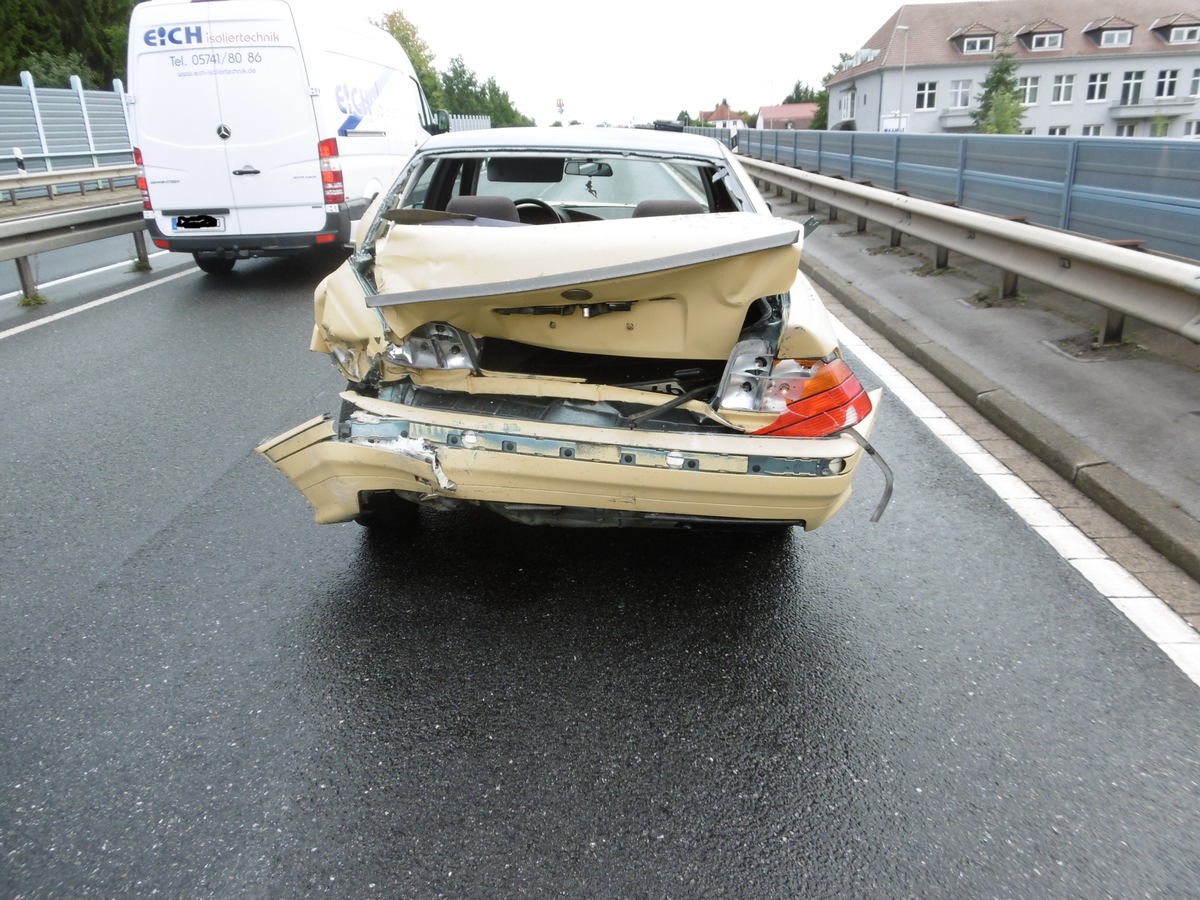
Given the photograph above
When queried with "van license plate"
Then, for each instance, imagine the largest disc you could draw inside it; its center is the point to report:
(203, 223)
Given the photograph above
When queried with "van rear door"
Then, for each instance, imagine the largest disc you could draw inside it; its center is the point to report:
(226, 118)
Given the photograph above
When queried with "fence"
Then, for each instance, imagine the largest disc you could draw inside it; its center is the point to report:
(1121, 189)
(43, 129)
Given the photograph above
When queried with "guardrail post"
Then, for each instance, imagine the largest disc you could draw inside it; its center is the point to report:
(941, 258)
(894, 237)
(861, 225)
(139, 245)
(25, 274)
(1114, 327)
(1009, 287)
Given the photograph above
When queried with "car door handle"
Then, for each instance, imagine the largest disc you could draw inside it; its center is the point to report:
(248, 170)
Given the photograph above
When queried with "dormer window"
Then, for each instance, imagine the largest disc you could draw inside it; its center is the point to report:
(1116, 37)
(1186, 34)
(979, 43)
(1048, 41)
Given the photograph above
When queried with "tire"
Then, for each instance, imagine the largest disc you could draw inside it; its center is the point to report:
(386, 511)
(214, 265)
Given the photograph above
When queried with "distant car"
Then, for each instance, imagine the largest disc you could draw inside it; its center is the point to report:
(585, 327)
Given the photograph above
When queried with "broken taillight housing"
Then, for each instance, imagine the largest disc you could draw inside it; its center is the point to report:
(812, 397)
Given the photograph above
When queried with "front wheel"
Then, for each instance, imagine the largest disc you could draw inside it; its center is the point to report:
(214, 265)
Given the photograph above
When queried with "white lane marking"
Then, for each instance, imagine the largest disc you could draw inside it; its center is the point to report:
(28, 326)
(1174, 636)
(67, 278)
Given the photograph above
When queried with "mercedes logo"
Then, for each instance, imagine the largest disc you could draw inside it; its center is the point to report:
(223, 132)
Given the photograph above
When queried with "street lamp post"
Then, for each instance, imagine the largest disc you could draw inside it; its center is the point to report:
(900, 126)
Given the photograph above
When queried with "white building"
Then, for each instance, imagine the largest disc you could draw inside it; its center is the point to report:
(1131, 68)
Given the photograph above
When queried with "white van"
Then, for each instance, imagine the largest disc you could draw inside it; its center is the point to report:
(264, 127)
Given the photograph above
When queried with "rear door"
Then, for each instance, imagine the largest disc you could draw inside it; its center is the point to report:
(225, 117)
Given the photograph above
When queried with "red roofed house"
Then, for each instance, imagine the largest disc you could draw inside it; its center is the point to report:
(722, 117)
(790, 115)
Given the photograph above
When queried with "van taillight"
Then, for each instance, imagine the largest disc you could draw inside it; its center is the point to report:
(141, 179)
(331, 171)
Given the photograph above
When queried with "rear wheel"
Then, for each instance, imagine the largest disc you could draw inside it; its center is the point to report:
(214, 265)
(386, 511)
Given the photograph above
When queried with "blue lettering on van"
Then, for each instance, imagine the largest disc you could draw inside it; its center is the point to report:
(357, 101)
(177, 36)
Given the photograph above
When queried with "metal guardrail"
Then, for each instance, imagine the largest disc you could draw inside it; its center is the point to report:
(1160, 291)
(47, 183)
(26, 236)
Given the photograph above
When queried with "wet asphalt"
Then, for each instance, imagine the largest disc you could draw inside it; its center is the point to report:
(208, 695)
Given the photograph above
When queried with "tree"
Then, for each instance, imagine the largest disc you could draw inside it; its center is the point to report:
(50, 34)
(1000, 110)
(398, 26)
(820, 121)
(802, 93)
(51, 70)
(465, 96)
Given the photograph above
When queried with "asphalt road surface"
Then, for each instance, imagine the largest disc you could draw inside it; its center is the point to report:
(208, 695)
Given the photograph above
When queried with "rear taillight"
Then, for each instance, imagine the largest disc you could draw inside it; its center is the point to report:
(816, 398)
(141, 179)
(331, 171)
(811, 397)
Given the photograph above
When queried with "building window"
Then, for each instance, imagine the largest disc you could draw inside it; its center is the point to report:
(1191, 129)
(1116, 37)
(960, 94)
(979, 44)
(1059, 130)
(1131, 88)
(1159, 129)
(1165, 86)
(1091, 131)
(1126, 129)
(847, 103)
(1027, 87)
(1185, 34)
(1046, 41)
(1064, 89)
(926, 94)
(1195, 82)
(1025, 131)
(1097, 86)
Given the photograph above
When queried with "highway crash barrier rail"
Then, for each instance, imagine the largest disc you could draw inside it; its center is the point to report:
(22, 238)
(49, 184)
(1124, 281)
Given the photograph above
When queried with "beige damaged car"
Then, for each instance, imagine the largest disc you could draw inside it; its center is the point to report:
(578, 327)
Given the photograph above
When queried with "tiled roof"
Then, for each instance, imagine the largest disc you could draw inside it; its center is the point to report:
(788, 111)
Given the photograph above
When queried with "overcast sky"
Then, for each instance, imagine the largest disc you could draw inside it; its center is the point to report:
(629, 61)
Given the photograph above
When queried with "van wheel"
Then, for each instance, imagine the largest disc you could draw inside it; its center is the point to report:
(214, 265)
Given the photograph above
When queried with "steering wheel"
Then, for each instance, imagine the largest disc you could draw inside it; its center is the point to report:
(540, 204)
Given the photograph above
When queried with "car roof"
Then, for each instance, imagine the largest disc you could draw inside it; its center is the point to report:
(576, 139)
